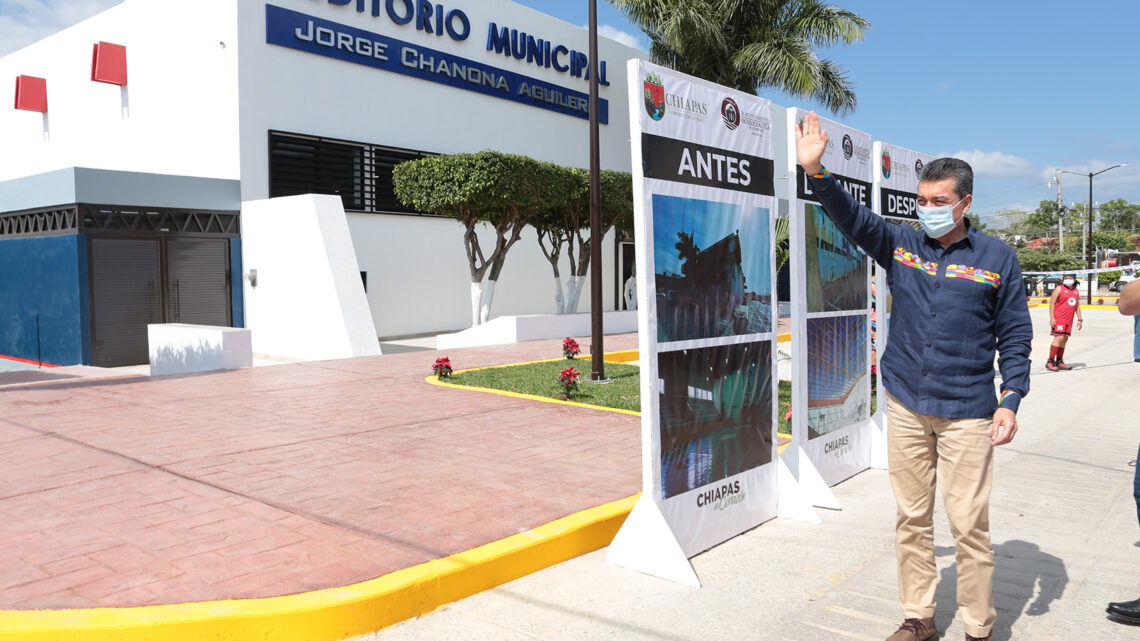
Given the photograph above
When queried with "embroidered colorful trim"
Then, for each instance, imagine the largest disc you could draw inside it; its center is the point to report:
(911, 260)
(974, 274)
(823, 173)
(1006, 394)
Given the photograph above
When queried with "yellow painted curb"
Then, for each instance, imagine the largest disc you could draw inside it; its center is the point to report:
(1084, 306)
(627, 356)
(335, 613)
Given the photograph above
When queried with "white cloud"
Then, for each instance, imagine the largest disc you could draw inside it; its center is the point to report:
(622, 37)
(995, 163)
(1120, 182)
(1120, 146)
(23, 22)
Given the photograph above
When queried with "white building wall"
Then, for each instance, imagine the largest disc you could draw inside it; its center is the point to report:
(177, 115)
(418, 278)
(308, 303)
(205, 89)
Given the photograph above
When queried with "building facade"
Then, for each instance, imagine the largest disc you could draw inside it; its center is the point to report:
(120, 200)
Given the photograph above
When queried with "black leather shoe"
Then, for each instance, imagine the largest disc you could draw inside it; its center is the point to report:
(1127, 608)
(1125, 612)
(1120, 618)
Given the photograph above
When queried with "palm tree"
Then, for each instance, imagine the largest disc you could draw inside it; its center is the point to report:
(752, 44)
(687, 250)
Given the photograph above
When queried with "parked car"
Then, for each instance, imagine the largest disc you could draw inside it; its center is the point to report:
(1128, 276)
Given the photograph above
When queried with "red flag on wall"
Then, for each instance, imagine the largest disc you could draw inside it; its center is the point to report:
(31, 93)
(109, 63)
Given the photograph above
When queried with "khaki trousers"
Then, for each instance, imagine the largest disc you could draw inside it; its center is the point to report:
(922, 450)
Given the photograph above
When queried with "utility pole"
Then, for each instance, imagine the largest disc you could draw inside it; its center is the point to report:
(597, 362)
(1091, 175)
(1060, 211)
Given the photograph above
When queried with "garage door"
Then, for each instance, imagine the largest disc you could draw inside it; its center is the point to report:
(197, 284)
(135, 282)
(126, 295)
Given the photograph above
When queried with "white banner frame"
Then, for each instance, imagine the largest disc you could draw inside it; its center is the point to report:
(662, 532)
(818, 463)
(894, 198)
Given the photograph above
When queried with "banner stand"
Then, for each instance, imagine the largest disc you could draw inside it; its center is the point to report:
(704, 208)
(793, 502)
(879, 418)
(879, 441)
(645, 543)
(808, 481)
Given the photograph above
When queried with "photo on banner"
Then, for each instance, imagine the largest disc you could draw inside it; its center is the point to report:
(716, 413)
(836, 267)
(704, 179)
(839, 376)
(712, 269)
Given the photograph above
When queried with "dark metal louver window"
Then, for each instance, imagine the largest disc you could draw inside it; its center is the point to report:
(359, 173)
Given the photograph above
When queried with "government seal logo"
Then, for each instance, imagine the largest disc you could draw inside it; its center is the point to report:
(886, 161)
(654, 96)
(730, 113)
(848, 147)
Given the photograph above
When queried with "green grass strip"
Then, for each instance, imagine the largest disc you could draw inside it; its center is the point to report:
(623, 392)
(541, 379)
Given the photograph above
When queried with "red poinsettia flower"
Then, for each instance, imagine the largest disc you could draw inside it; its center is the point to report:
(570, 348)
(442, 367)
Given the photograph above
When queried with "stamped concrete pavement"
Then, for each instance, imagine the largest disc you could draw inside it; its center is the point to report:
(277, 480)
(1063, 521)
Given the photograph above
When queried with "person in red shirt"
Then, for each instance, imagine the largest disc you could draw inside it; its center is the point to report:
(1063, 305)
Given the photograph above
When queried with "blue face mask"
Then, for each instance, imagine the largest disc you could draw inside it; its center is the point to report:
(937, 221)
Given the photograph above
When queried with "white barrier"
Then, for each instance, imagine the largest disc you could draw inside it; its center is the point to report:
(177, 348)
(514, 329)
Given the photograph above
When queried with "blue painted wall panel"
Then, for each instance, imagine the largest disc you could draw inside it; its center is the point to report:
(237, 293)
(84, 299)
(41, 276)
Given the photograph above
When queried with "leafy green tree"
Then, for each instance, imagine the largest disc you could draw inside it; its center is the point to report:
(1045, 217)
(1035, 260)
(753, 44)
(616, 212)
(501, 191)
(1012, 227)
(1119, 215)
(564, 222)
(1111, 240)
(553, 222)
(782, 242)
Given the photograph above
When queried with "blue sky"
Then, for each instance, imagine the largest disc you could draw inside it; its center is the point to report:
(1019, 89)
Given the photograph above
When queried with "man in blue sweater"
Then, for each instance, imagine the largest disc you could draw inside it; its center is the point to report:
(957, 297)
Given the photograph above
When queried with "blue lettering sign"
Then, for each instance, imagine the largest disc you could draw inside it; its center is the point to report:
(310, 34)
(523, 46)
(397, 17)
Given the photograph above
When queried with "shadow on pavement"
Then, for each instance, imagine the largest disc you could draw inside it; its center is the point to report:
(19, 377)
(1027, 580)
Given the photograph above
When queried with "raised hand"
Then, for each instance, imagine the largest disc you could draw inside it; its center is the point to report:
(811, 141)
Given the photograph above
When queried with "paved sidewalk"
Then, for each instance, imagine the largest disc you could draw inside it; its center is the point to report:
(277, 480)
(1063, 522)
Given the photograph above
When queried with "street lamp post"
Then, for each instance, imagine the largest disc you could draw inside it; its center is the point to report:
(1088, 257)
